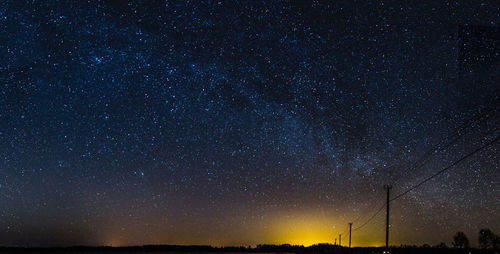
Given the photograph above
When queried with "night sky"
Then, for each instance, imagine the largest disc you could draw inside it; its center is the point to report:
(246, 122)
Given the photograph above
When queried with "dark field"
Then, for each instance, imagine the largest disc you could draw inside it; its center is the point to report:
(261, 249)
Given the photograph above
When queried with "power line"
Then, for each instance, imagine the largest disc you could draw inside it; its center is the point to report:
(363, 215)
(358, 218)
(440, 146)
(371, 218)
(345, 231)
(428, 179)
(446, 168)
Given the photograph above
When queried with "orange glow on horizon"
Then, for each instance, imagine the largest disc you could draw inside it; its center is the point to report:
(305, 227)
(313, 227)
(302, 229)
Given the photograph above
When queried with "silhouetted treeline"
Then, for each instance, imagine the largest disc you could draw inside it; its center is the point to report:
(487, 240)
(265, 248)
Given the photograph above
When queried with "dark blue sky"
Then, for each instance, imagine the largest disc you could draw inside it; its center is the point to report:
(244, 122)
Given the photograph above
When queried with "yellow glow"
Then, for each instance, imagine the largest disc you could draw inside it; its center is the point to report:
(302, 229)
(297, 227)
(313, 227)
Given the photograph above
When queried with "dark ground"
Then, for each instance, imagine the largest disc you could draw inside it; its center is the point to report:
(263, 249)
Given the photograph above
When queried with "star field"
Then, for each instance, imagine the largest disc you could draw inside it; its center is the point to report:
(244, 122)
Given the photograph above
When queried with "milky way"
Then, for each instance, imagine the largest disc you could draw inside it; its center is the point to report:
(245, 122)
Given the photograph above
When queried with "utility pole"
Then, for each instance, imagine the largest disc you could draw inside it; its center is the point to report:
(350, 227)
(387, 187)
(340, 239)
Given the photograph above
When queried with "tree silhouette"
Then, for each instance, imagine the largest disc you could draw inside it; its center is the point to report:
(441, 245)
(460, 241)
(495, 243)
(486, 238)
